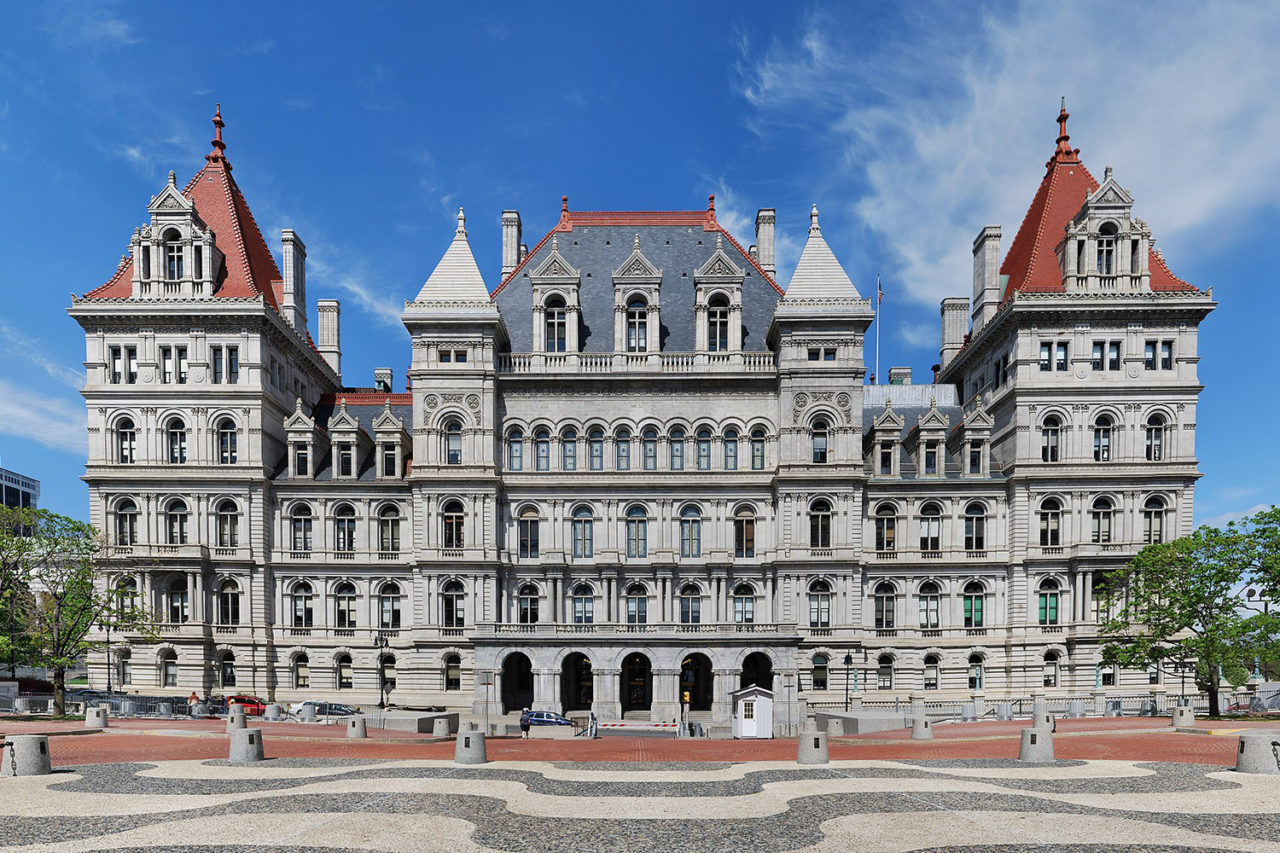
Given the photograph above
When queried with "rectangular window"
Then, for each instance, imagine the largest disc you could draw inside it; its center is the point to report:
(595, 447)
(744, 537)
(677, 454)
(973, 611)
(829, 354)
(731, 454)
(814, 354)
(346, 460)
(116, 366)
(584, 609)
(930, 459)
(389, 468)
(446, 356)
(166, 364)
(975, 457)
(690, 610)
(182, 365)
(1166, 355)
(886, 460)
(1060, 364)
(1149, 355)
(460, 356)
(1113, 355)
(301, 465)
(233, 366)
(528, 532)
(569, 454)
(1099, 348)
(623, 454)
(130, 365)
(215, 361)
(1046, 356)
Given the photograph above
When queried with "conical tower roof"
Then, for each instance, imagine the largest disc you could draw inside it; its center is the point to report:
(818, 274)
(457, 277)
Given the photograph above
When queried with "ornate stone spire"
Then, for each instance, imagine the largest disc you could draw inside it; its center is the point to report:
(1064, 153)
(218, 154)
(462, 223)
(813, 221)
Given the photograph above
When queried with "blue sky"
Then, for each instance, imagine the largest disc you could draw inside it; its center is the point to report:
(363, 127)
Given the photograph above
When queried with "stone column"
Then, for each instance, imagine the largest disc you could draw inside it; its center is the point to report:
(546, 689)
(723, 682)
(605, 702)
(666, 700)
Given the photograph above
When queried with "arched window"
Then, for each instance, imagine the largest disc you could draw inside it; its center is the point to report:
(757, 449)
(820, 524)
(975, 527)
(527, 532)
(819, 604)
(1050, 669)
(886, 528)
(542, 450)
(453, 443)
(649, 446)
(556, 326)
(677, 449)
(169, 669)
(595, 449)
(930, 672)
(731, 450)
(124, 667)
(301, 672)
(227, 452)
(127, 594)
(1050, 434)
(228, 524)
(527, 603)
(637, 604)
(389, 530)
(885, 605)
(744, 532)
(718, 324)
(452, 524)
(884, 672)
(584, 605)
(452, 673)
(344, 606)
(569, 450)
(690, 604)
(931, 528)
(819, 672)
(1051, 523)
(176, 440)
(974, 596)
(637, 326)
(704, 449)
(1155, 438)
(346, 673)
(126, 442)
(1107, 249)
(930, 599)
(344, 528)
(1153, 510)
(690, 532)
(387, 678)
(515, 450)
(179, 601)
(389, 603)
(172, 255)
(126, 522)
(1101, 515)
(453, 600)
(583, 533)
(818, 439)
(622, 450)
(227, 670)
(744, 604)
(637, 532)
(175, 516)
(975, 672)
(303, 601)
(1049, 601)
(300, 521)
(1102, 439)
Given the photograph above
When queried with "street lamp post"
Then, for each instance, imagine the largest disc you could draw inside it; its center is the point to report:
(848, 665)
(383, 645)
(1251, 594)
(106, 626)
(788, 680)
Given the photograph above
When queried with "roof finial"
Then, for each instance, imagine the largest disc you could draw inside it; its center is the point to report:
(711, 204)
(564, 204)
(218, 145)
(555, 243)
(462, 223)
(1106, 172)
(813, 221)
(637, 243)
(173, 179)
(719, 241)
(1064, 153)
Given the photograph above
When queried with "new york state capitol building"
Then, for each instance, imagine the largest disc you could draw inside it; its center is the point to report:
(635, 466)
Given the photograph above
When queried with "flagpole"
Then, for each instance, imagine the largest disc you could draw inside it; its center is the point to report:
(879, 299)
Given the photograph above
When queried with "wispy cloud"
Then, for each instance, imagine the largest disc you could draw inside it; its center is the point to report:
(918, 334)
(92, 24)
(1235, 515)
(379, 304)
(19, 348)
(937, 138)
(55, 422)
(261, 47)
(741, 223)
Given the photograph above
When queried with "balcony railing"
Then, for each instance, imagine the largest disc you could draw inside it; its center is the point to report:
(652, 362)
(555, 628)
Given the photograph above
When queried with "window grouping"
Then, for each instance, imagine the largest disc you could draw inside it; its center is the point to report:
(705, 450)
(1054, 356)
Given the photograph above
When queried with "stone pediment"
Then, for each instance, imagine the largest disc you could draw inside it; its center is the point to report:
(170, 200)
(888, 420)
(387, 422)
(555, 269)
(933, 420)
(719, 267)
(299, 421)
(978, 418)
(637, 268)
(341, 420)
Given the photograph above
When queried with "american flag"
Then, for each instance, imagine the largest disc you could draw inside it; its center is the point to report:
(879, 292)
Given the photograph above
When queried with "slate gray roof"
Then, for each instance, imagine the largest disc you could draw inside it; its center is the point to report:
(365, 415)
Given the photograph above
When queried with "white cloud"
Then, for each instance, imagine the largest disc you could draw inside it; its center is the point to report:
(55, 422)
(16, 346)
(742, 225)
(918, 334)
(381, 306)
(1235, 515)
(1175, 96)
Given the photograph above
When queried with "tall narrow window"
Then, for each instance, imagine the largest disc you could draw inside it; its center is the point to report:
(1049, 599)
(1102, 439)
(886, 528)
(1050, 433)
(215, 361)
(1153, 510)
(1100, 517)
(344, 606)
(595, 449)
(731, 450)
(452, 673)
(346, 676)
(818, 437)
(301, 463)
(885, 606)
(169, 669)
(974, 595)
(301, 528)
(556, 325)
(389, 530)
(172, 256)
(622, 450)
(1050, 523)
(453, 600)
(690, 532)
(930, 672)
(819, 604)
(126, 441)
(744, 604)
(229, 603)
(126, 522)
(1050, 669)
(389, 600)
(819, 672)
(233, 365)
(451, 519)
(637, 326)
(637, 605)
(637, 532)
(176, 523)
(542, 450)
(584, 604)
(346, 459)
(820, 524)
(975, 527)
(527, 529)
(176, 438)
(931, 528)
(527, 604)
(677, 449)
(690, 604)
(179, 601)
(583, 533)
(182, 365)
(744, 533)
(515, 450)
(1155, 438)
(569, 450)
(228, 525)
(344, 528)
(649, 448)
(1107, 249)
(884, 672)
(453, 443)
(301, 672)
(757, 449)
(227, 441)
(718, 324)
(303, 600)
(930, 600)
(704, 449)
(975, 672)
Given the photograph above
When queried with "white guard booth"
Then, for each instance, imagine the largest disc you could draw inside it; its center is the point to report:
(752, 712)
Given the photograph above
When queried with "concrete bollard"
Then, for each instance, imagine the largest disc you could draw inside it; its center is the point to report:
(1043, 721)
(968, 713)
(274, 713)
(1039, 705)
(812, 748)
(1184, 716)
(25, 755)
(1036, 745)
(835, 727)
(1259, 753)
(22, 705)
(95, 718)
(921, 729)
(246, 745)
(307, 714)
(357, 728)
(440, 727)
(469, 748)
(235, 722)
(1075, 709)
(1004, 711)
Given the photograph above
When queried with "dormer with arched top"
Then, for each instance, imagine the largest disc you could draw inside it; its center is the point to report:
(1105, 248)
(637, 311)
(718, 302)
(175, 255)
(882, 442)
(557, 309)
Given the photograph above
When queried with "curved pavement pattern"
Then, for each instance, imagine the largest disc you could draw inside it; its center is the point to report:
(401, 806)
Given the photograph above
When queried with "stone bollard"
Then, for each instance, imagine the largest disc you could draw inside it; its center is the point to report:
(921, 729)
(1184, 716)
(25, 755)
(307, 714)
(1075, 709)
(1004, 711)
(1039, 705)
(357, 728)
(440, 727)
(95, 718)
(1036, 745)
(1259, 753)
(274, 713)
(246, 745)
(1043, 721)
(968, 713)
(812, 748)
(835, 727)
(235, 722)
(469, 748)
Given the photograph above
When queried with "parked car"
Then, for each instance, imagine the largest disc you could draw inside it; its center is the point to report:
(548, 718)
(253, 706)
(324, 709)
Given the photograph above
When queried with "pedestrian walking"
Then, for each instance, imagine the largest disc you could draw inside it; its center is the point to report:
(524, 724)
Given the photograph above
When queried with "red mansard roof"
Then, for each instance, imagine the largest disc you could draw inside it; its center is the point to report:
(250, 270)
(1032, 264)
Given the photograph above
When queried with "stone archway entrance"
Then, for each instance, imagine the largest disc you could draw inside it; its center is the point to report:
(637, 683)
(757, 669)
(695, 679)
(517, 683)
(577, 686)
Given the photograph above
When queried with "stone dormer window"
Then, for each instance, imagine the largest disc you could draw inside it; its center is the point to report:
(718, 302)
(300, 430)
(556, 310)
(637, 315)
(390, 439)
(882, 442)
(174, 254)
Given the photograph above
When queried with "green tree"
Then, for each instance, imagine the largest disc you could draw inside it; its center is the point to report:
(1183, 601)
